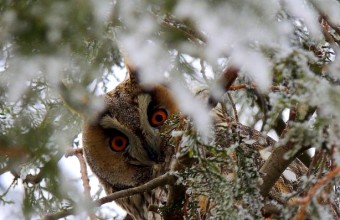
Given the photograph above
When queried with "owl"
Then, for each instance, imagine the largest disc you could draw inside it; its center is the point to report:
(125, 145)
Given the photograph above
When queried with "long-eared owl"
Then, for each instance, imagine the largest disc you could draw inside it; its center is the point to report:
(125, 145)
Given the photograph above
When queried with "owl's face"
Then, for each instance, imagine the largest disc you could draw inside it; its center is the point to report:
(124, 142)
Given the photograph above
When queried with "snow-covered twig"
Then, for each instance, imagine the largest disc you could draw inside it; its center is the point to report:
(166, 179)
(304, 202)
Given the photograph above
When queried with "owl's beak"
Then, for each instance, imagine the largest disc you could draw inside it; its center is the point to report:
(153, 155)
(149, 157)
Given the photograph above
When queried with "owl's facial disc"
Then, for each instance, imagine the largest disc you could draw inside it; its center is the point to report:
(139, 141)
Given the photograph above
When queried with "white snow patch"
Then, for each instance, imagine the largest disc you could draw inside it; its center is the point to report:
(289, 175)
(11, 211)
(301, 9)
(272, 133)
(331, 8)
(249, 141)
(192, 106)
(265, 153)
(255, 65)
(102, 9)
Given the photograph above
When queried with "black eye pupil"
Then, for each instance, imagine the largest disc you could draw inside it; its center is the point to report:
(119, 142)
(159, 118)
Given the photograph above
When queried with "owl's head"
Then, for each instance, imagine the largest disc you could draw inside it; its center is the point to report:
(125, 142)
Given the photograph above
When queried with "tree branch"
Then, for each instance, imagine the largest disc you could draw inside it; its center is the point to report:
(228, 77)
(234, 107)
(304, 202)
(73, 151)
(277, 163)
(175, 208)
(253, 86)
(166, 179)
(85, 180)
(326, 18)
(189, 32)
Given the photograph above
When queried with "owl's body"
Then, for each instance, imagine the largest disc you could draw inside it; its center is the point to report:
(125, 146)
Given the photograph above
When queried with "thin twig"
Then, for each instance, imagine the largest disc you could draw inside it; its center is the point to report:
(253, 86)
(315, 164)
(73, 151)
(85, 180)
(234, 107)
(190, 33)
(37, 178)
(15, 179)
(326, 18)
(33, 179)
(228, 77)
(166, 179)
(325, 30)
(331, 24)
(304, 202)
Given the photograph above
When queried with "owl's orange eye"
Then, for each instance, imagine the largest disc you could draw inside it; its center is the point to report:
(158, 117)
(119, 142)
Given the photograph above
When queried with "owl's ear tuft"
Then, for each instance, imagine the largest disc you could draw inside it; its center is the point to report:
(133, 74)
(132, 71)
